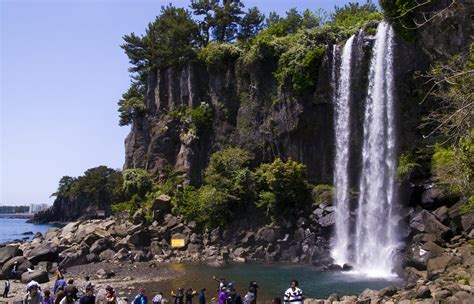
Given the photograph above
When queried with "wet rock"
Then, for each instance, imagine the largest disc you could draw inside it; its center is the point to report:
(39, 276)
(347, 267)
(240, 252)
(27, 233)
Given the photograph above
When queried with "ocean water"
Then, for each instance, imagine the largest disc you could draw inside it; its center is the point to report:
(12, 229)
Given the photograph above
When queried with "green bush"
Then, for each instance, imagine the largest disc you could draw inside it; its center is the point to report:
(323, 194)
(291, 190)
(218, 55)
(355, 15)
(201, 117)
(136, 181)
(402, 12)
(406, 163)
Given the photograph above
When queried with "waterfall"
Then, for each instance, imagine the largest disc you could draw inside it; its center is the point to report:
(370, 245)
(342, 134)
(374, 237)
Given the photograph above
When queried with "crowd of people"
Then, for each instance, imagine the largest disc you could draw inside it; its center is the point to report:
(66, 292)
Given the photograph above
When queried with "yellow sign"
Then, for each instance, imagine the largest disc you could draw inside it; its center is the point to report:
(177, 243)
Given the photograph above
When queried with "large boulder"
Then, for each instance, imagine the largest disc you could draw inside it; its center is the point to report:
(327, 220)
(412, 275)
(107, 255)
(426, 222)
(99, 246)
(40, 276)
(437, 266)
(73, 259)
(267, 234)
(23, 265)
(140, 239)
(43, 253)
(162, 203)
(467, 221)
(9, 252)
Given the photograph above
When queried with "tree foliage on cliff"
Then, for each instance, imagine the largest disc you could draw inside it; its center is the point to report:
(99, 187)
(449, 124)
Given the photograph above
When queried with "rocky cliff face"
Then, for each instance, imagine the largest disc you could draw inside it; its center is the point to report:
(251, 111)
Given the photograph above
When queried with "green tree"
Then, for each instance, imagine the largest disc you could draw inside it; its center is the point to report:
(219, 19)
(205, 9)
(272, 19)
(251, 23)
(354, 14)
(169, 40)
(132, 104)
(283, 188)
(136, 182)
(64, 187)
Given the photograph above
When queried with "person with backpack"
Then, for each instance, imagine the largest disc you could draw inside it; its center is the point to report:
(141, 297)
(158, 298)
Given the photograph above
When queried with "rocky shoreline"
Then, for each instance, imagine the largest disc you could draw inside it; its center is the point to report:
(437, 262)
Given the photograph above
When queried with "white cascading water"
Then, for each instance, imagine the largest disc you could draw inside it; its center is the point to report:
(375, 240)
(342, 133)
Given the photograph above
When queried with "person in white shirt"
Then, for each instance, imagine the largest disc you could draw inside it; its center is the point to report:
(293, 295)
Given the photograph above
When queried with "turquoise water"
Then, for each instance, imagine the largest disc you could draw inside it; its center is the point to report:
(272, 279)
(11, 229)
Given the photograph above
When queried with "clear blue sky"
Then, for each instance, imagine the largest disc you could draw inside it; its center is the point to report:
(62, 72)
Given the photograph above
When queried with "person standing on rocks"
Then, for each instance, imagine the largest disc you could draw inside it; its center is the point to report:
(222, 295)
(14, 270)
(253, 286)
(6, 288)
(293, 295)
(47, 298)
(72, 289)
(89, 297)
(33, 296)
(190, 293)
(158, 298)
(88, 282)
(202, 296)
(110, 296)
(59, 285)
(140, 298)
(221, 283)
(178, 297)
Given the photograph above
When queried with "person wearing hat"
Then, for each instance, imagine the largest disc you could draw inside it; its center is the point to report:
(89, 297)
(140, 298)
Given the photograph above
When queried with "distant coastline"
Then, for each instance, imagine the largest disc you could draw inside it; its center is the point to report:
(16, 215)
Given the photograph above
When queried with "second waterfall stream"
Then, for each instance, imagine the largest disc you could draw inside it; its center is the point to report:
(364, 234)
